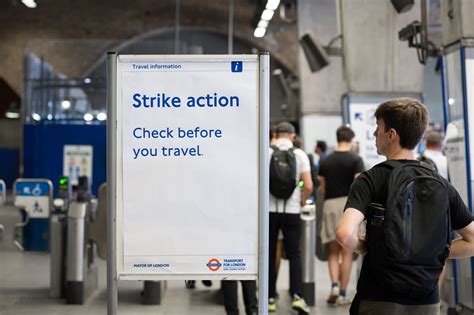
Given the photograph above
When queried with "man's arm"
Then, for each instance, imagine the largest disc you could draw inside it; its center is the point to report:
(307, 188)
(464, 246)
(348, 229)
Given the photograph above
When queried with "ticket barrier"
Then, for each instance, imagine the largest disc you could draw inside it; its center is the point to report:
(81, 270)
(57, 245)
(74, 274)
(58, 248)
(308, 250)
(33, 198)
(3, 190)
(153, 291)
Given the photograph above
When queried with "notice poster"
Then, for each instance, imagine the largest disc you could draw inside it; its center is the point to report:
(189, 156)
(77, 162)
(363, 123)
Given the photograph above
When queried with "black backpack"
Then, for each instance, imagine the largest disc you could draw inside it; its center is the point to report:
(427, 161)
(409, 243)
(282, 173)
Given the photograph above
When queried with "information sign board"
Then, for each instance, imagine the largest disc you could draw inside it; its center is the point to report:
(189, 157)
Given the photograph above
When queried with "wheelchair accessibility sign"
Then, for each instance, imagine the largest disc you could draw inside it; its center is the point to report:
(33, 196)
(32, 189)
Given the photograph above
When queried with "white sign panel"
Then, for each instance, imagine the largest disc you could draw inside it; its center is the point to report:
(35, 206)
(77, 162)
(363, 123)
(33, 195)
(188, 144)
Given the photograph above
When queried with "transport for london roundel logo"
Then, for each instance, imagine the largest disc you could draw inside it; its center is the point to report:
(214, 264)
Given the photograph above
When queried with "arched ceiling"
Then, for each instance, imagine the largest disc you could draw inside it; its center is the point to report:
(70, 35)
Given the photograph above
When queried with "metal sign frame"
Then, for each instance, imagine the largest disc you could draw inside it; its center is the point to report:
(115, 185)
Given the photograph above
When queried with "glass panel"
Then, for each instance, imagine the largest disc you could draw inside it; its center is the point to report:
(63, 84)
(454, 84)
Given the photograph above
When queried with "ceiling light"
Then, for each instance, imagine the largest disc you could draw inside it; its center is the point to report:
(88, 117)
(12, 115)
(30, 3)
(66, 104)
(272, 4)
(267, 15)
(101, 116)
(259, 32)
(36, 117)
(262, 24)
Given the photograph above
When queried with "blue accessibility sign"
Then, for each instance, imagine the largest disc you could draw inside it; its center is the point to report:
(32, 188)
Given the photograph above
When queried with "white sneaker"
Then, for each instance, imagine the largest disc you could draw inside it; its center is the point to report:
(343, 300)
(333, 295)
(272, 306)
(299, 304)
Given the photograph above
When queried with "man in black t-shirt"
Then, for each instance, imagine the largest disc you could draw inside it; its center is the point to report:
(336, 174)
(400, 126)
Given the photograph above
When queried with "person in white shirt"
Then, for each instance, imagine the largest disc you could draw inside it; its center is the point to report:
(285, 216)
(434, 151)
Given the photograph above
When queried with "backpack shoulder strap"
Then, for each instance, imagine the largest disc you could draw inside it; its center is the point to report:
(274, 147)
(427, 161)
(383, 189)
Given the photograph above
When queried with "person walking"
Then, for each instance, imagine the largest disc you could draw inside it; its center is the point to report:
(288, 166)
(410, 211)
(336, 174)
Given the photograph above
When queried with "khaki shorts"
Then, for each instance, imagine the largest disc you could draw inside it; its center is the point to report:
(332, 212)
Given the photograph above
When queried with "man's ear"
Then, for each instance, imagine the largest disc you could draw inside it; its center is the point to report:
(392, 134)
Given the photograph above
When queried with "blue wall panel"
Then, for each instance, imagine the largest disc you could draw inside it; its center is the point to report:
(9, 165)
(44, 150)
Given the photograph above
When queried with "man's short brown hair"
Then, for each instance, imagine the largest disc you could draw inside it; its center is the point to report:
(434, 139)
(407, 116)
(344, 133)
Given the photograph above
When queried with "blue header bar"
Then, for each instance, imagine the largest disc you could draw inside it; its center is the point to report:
(33, 188)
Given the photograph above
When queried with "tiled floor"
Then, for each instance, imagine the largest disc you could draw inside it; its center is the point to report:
(24, 288)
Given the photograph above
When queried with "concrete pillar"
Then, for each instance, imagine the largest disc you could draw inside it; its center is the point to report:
(457, 20)
(375, 59)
